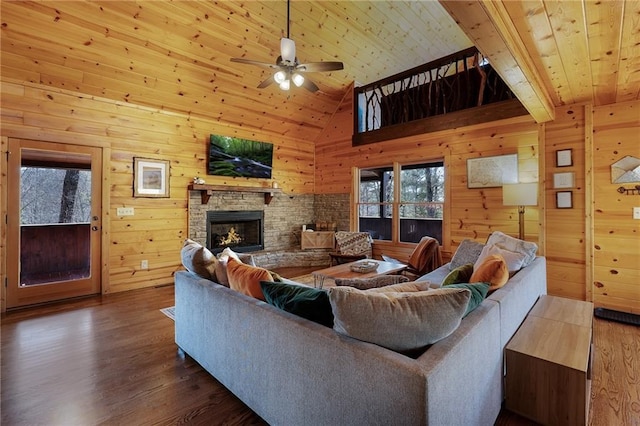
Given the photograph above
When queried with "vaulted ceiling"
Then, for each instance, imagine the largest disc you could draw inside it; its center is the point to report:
(175, 56)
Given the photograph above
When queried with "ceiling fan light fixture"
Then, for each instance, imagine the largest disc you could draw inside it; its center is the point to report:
(285, 85)
(288, 50)
(298, 79)
(280, 77)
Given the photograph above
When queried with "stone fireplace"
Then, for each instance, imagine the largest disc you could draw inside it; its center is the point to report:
(241, 230)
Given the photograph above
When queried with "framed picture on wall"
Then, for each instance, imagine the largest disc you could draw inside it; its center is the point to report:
(150, 178)
(488, 172)
(564, 199)
(564, 180)
(564, 158)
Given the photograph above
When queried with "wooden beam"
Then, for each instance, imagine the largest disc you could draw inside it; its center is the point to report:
(489, 26)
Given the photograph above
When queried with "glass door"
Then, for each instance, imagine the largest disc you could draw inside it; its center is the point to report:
(54, 225)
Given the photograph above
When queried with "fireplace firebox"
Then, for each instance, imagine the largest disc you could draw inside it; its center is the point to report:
(240, 230)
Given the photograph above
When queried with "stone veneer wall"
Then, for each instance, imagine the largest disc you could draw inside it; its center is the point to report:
(333, 208)
(283, 220)
(283, 217)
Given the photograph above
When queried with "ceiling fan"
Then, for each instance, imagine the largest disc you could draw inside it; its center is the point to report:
(288, 68)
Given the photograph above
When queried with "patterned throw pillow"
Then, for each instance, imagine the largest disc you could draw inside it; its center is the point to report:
(467, 252)
(365, 283)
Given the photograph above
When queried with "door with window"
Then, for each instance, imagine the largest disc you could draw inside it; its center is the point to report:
(54, 221)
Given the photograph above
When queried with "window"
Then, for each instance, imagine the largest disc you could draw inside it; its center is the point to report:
(54, 195)
(418, 203)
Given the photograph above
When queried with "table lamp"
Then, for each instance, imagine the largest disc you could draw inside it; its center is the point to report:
(521, 195)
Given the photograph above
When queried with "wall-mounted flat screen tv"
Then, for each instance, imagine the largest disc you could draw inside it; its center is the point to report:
(235, 157)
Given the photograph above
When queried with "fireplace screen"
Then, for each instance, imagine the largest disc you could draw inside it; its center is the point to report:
(242, 231)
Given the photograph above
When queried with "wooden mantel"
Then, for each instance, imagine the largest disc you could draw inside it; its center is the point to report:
(207, 190)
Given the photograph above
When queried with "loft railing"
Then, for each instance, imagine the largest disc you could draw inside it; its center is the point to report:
(456, 82)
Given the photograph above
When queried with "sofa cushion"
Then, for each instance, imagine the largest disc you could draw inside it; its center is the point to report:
(527, 248)
(403, 286)
(478, 294)
(198, 260)
(306, 302)
(365, 283)
(461, 274)
(492, 270)
(246, 278)
(467, 252)
(400, 321)
(514, 260)
(223, 258)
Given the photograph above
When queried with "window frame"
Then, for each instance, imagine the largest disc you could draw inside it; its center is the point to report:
(396, 201)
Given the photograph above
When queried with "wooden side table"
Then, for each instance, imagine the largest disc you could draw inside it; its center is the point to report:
(548, 363)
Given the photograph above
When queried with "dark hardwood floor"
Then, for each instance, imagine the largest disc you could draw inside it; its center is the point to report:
(112, 360)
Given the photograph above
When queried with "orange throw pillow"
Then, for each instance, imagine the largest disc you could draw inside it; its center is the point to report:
(492, 270)
(246, 279)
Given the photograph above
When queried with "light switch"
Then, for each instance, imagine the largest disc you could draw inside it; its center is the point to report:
(636, 212)
(124, 211)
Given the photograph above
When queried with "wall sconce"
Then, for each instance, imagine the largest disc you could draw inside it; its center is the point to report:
(521, 195)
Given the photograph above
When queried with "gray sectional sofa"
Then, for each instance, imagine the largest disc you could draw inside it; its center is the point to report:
(292, 371)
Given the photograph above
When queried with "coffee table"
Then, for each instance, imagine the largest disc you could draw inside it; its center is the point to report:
(344, 271)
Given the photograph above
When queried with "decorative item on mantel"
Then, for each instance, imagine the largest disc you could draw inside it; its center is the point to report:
(198, 180)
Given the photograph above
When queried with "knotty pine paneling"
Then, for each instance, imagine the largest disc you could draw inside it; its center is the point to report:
(472, 213)
(159, 226)
(565, 228)
(616, 234)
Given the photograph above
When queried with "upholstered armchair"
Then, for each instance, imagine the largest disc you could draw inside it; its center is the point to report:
(351, 246)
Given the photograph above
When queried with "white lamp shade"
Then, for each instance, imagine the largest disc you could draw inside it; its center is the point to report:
(520, 194)
(279, 77)
(285, 85)
(298, 79)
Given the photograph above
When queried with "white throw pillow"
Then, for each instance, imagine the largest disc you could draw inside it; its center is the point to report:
(507, 242)
(400, 321)
(514, 260)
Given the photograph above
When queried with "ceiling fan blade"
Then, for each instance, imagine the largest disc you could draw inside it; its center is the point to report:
(257, 63)
(309, 85)
(266, 83)
(320, 66)
(288, 49)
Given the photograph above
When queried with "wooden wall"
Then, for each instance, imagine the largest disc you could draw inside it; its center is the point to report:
(157, 229)
(565, 229)
(616, 237)
(471, 213)
(583, 245)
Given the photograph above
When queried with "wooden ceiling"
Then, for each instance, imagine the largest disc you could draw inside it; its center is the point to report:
(175, 56)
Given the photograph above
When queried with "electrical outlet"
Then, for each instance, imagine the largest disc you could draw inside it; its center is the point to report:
(636, 212)
(144, 264)
(124, 211)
